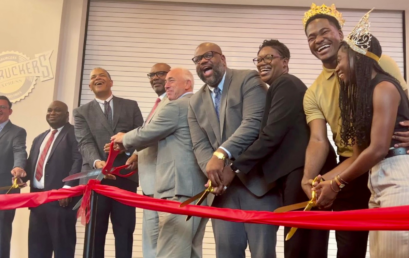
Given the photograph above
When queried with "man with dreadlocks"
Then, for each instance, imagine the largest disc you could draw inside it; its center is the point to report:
(321, 104)
(372, 106)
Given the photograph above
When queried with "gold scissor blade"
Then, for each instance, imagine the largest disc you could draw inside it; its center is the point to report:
(292, 207)
(290, 234)
(5, 188)
(204, 195)
(192, 199)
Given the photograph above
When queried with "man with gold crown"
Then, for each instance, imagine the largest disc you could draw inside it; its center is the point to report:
(323, 28)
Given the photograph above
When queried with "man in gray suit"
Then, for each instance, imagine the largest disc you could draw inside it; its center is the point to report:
(178, 175)
(224, 119)
(13, 157)
(145, 160)
(95, 123)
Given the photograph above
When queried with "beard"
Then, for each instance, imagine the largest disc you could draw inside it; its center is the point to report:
(214, 80)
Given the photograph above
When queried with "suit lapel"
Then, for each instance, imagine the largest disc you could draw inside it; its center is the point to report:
(6, 128)
(100, 116)
(223, 101)
(117, 111)
(57, 141)
(211, 112)
(162, 103)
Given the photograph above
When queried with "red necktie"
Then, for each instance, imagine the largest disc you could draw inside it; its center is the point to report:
(153, 109)
(41, 159)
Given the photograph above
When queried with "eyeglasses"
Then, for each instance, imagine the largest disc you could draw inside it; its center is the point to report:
(158, 74)
(267, 59)
(208, 55)
(4, 107)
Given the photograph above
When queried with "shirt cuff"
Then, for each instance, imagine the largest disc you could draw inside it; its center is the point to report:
(228, 152)
(93, 165)
(66, 186)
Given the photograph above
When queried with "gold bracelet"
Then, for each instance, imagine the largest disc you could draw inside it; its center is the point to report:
(333, 188)
(342, 180)
(340, 185)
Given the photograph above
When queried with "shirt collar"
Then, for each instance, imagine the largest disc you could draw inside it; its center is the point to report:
(328, 73)
(100, 101)
(220, 86)
(2, 125)
(59, 129)
(186, 93)
(162, 96)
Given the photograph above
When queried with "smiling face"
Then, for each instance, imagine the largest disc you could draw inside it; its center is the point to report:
(5, 110)
(158, 80)
(100, 83)
(324, 39)
(210, 70)
(57, 114)
(343, 68)
(271, 70)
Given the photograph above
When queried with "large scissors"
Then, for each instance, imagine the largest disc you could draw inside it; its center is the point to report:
(308, 206)
(15, 185)
(201, 196)
(101, 173)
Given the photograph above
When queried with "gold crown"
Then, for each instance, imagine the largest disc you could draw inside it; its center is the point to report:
(323, 9)
(360, 38)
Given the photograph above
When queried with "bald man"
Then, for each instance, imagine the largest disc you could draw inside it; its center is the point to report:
(178, 176)
(145, 160)
(53, 156)
(224, 119)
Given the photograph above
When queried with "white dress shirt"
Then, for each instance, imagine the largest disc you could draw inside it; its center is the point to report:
(40, 184)
(2, 125)
(102, 104)
(220, 86)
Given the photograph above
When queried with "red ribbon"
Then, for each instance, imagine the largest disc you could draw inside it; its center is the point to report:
(393, 218)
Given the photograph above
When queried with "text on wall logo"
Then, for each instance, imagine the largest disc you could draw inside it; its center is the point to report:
(18, 73)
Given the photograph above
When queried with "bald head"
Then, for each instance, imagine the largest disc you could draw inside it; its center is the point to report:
(210, 63)
(157, 77)
(57, 114)
(178, 82)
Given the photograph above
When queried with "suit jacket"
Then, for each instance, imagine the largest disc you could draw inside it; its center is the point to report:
(177, 171)
(147, 158)
(93, 131)
(64, 159)
(12, 152)
(284, 134)
(241, 111)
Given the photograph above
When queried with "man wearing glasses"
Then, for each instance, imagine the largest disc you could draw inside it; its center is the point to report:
(13, 158)
(146, 162)
(224, 119)
(279, 151)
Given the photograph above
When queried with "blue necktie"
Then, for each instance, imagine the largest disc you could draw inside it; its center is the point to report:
(217, 100)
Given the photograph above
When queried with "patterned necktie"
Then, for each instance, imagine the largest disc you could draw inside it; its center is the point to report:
(108, 112)
(40, 164)
(153, 109)
(217, 100)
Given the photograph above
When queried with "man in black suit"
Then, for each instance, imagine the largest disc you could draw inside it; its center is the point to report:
(53, 156)
(280, 148)
(95, 123)
(13, 157)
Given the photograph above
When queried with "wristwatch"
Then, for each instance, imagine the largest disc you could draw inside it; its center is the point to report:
(339, 183)
(233, 167)
(219, 155)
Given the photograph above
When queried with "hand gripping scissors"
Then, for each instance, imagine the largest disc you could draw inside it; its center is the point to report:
(100, 173)
(308, 206)
(15, 185)
(201, 196)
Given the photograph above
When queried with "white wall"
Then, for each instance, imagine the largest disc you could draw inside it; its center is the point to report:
(35, 26)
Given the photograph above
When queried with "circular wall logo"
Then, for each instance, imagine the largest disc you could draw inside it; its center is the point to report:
(18, 74)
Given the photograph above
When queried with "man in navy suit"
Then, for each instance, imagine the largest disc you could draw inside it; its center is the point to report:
(53, 156)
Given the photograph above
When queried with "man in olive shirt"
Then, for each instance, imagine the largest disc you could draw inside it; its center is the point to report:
(321, 105)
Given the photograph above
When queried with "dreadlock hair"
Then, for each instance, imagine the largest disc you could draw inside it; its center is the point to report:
(355, 98)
